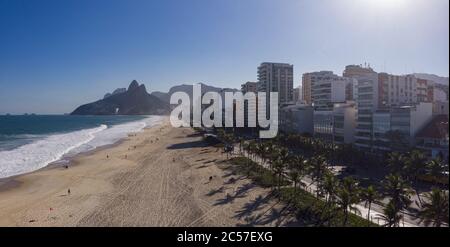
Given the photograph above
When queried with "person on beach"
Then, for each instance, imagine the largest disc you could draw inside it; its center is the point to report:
(68, 191)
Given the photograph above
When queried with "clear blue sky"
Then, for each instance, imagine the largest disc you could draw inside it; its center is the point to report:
(56, 55)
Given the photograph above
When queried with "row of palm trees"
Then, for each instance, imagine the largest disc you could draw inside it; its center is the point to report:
(343, 194)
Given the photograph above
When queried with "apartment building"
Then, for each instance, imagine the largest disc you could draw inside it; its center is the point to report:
(306, 88)
(381, 139)
(434, 138)
(297, 118)
(327, 89)
(366, 91)
(395, 128)
(408, 120)
(344, 122)
(298, 96)
(249, 87)
(250, 108)
(275, 77)
(336, 125)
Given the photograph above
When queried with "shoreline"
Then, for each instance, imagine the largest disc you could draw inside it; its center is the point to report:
(157, 177)
(66, 159)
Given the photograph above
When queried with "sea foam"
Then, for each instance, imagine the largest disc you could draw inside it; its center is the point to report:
(40, 153)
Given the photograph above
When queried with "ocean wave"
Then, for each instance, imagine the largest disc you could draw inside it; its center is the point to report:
(40, 153)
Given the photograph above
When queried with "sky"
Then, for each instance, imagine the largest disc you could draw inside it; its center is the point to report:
(56, 55)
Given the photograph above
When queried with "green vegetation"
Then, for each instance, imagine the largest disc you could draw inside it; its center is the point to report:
(315, 212)
(282, 164)
(260, 175)
(309, 209)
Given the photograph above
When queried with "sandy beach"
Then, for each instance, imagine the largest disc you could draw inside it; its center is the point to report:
(158, 177)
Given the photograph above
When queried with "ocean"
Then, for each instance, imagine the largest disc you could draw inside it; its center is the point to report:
(31, 142)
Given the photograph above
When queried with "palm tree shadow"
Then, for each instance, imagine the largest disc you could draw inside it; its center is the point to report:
(240, 193)
(202, 166)
(252, 206)
(275, 216)
(192, 144)
(216, 191)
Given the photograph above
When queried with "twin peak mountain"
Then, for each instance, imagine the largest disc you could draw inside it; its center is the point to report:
(133, 101)
(136, 101)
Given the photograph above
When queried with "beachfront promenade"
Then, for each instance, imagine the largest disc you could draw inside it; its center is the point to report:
(375, 212)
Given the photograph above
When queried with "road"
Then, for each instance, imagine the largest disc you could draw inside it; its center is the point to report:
(376, 209)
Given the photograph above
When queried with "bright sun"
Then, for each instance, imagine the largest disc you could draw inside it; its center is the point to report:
(386, 4)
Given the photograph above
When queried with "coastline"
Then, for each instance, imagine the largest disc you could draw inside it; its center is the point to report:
(156, 177)
(71, 155)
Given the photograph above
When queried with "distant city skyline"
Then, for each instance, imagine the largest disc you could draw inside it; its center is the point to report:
(56, 55)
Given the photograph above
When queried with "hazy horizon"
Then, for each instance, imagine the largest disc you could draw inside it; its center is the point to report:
(57, 55)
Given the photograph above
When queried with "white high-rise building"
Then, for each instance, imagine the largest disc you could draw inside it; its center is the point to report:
(327, 89)
(366, 91)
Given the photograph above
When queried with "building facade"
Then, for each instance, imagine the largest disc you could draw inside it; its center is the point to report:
(327, 89)
(434, 138)
(249, 87)
(298, 95)
(275, 77)
(366, 91)
(336, 125)
(296, 119)
(306, 88)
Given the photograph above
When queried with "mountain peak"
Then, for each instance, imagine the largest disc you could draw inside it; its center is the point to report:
(133, 85)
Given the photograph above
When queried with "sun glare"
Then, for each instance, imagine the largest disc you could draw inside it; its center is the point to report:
(387, 4)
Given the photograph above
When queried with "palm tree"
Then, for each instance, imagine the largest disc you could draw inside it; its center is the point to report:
(347, 196)
(415, 164)
(297, 168)
(435, 168)
(330, 185)
(369, 195)
(279, 164)
(397, 140)
(435, 210)
(395, 162)
(399, 190)
(318, 168)
(391, 215)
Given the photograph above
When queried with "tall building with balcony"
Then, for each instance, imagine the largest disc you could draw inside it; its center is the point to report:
(367, 102)
(328, 93)
(402, 90)
(276, 77)
(327, 89)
